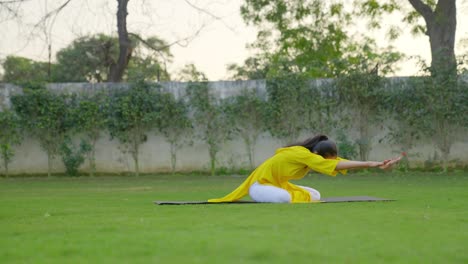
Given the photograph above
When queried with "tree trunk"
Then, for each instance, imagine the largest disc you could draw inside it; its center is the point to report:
(212, 150)
(136, 149)
(250, 146)
(364, 137)
(443, 141)
(6, 167)
(125, 45)
(49, 164)
(49, 64)
(441, 28)
(137, 166)
(92, 160)
(173, 156)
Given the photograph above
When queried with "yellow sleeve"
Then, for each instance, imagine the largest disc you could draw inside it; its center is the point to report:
(321, 165)
(342, 171)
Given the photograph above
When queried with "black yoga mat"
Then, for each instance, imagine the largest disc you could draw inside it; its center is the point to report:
(324, 200)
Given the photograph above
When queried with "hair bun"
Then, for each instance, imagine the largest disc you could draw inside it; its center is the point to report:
(322, 138)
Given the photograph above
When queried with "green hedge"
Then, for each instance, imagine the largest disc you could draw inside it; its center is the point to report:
(419, 110)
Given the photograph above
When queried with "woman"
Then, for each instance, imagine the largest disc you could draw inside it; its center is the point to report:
(269, 183)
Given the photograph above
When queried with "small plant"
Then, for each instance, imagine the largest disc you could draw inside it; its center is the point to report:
(176, 126)
(10, 136)
(403, 165)
(209, 118)
(346, 148)
(89, 119)
(73, 156)
(132, 114)
(44, 115)
(246, 113)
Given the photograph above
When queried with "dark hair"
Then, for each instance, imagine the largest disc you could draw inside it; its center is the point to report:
(320, 145)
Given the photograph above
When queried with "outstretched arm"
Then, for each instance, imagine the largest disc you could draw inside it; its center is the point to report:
(353, 164)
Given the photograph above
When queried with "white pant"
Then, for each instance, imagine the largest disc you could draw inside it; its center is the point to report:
(272, 194)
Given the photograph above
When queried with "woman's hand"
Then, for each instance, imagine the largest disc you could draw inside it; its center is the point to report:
(375, 164)
(387, 164)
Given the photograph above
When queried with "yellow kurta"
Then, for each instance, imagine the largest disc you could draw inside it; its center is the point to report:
(288, 163)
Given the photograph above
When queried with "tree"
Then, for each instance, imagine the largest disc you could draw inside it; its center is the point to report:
(132, 113)
(312, 34)
(190, 73)
(90, 120)
(254, 68)
(10, 9)
(246, 113)
(176, 125)
(303, 37)
(100, 54)
(441, 25)
(86, 59)
(24, 71)
(125, 45)
(209, 119)
(290, 49)
(150, 57)
(10, 135)
(73, 156)
(46, 117)
(440, 18)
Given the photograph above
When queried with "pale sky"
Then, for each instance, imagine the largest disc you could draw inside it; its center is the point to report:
(220, 41)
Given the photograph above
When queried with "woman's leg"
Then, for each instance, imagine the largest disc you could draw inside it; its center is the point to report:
(314, 194)
(268, 194)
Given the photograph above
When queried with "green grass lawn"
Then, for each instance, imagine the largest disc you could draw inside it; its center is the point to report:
(113, 220)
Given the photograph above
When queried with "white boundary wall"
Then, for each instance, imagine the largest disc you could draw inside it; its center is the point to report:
(155, 157)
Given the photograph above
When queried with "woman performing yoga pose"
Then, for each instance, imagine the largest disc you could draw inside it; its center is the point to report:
(269, 183)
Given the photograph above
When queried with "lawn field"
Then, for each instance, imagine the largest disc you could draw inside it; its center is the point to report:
(112, 219)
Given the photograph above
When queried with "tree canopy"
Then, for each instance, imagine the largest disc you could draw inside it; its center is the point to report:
(322, 38)
(90, 59)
